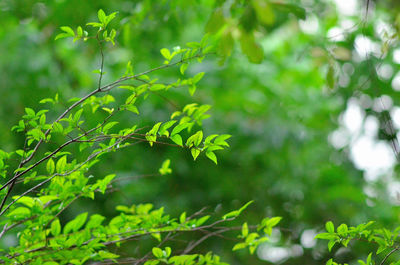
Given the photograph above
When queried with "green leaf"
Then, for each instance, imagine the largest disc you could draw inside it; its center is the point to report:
(50, 167)
(298, 11)
(239, 246)
(273, 221)
(107, 255)
(215, 22)
(95, 221)
(165, 169)
(79, 31)
(202, 220)
(19, 213)
(195, 139)
(234, 214)
(177, 139)
(61, 36)
(182, 218)
(61, 163)
(104, 182)
(198, 77)
(152, 262)
(195, 153)
(192, 89)
(28, 201)
(132, 108)
(331, 244)
(330, 227)
(102, 16)
(109, 125)
(212, 156)
(157, 252)
(220, 140)
(330, 77)
(326, 236)
(263, 11)
(165, 126)
(166, 53)
(253, 51)
(226, 44)
(179, 128)
(157, 87)
(57, 127)
(183, 68)
(245, 230)
(75, 224)
(55, 227)
(68, 30)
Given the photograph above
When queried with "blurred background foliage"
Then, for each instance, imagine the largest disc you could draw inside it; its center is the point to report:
(297, 85)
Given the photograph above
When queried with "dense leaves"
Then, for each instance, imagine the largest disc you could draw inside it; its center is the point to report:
(125, 91)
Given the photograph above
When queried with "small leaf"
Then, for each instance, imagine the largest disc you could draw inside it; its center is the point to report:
(61, 163)
(94, 221)
(55, 227)
(202, 220)
(330, 77)
(68, 30)
(157, 252)
(179, 128)
(253, 51)
(239, 246)
(263, 11)
(166, 53)
(182, 218)
(50, 166)
(195, 153)
(212, 156)
(330, 227)
(177, 139)
(215, 22)
(102, 16)
(165, 169)
(183, 68)
(132, 108)
(245, 230)
(198, 77)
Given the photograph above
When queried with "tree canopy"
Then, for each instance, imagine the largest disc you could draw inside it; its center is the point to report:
(199, 132)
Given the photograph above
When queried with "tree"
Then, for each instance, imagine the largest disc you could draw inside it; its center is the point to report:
(280, 113)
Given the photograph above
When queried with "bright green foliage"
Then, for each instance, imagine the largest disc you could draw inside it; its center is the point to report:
(283, 78)
(385, 240)
(61, 177)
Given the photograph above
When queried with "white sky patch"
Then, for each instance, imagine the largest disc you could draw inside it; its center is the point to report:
(335, 34)
(365, 46)
(348, 25)
(394, 191)
(310, 25)
(296, 251)
(382, 28)
(273, 254)
(395, 113)
(396, 82)
(396, 56)
(371, 126)
(385, 71)
(384, 102)
(307, 238)
(374, 157)
(353, 116)
(339, 138)
(347, 7)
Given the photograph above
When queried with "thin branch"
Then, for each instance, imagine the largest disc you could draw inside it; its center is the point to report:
(388, 255)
